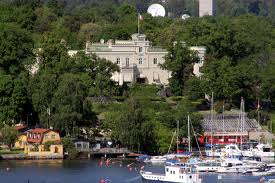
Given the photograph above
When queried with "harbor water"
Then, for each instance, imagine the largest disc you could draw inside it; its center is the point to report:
(93, 171)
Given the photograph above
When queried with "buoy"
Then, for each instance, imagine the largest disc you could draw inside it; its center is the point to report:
(101, 163)
(102, 181)
(8, 169)
(129, 165)
(142, 167)
(130, 169)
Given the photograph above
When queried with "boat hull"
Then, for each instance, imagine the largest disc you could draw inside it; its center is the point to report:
(148, 176)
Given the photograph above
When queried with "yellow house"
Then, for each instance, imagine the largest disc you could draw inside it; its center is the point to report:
(51, 136)
(41, 136)
(54, 151)
(21, 141)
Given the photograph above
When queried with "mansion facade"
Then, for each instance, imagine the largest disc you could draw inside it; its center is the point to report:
(138, 60)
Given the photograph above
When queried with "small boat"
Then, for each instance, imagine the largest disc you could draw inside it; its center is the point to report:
(208, 166)
(270, 181)
(264, 171)
(180, 174)
(156, 159)
(227, 165)
(250, 170)
(179, 155)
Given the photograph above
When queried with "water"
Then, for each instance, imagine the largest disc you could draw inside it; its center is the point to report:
(89, 171)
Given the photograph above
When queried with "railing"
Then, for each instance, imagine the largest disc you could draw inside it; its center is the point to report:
(110, 150)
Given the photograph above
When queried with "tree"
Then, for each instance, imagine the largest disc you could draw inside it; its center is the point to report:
(9, 135)
(179, 61)
(68, 104)
(15, 48)
(195, 88)
(268, 82)
(126, 124)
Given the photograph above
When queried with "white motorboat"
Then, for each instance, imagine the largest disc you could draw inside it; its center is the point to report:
(228, 165)
(263, 150)
(264, 171)
(178, 155)
(180, 174)
(156, 159)
(238, 169)
(230, 150)
(208, 166)
(250, 170)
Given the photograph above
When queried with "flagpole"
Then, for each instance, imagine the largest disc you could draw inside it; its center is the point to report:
(138, 23)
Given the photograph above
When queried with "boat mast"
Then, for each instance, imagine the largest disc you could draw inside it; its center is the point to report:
(189, 142)
(242, 120)
(171, 142)
(223, 121)
(211, 113)
(177, 136)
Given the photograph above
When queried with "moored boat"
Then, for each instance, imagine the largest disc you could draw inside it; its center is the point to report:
(156, 159)
(180, 174)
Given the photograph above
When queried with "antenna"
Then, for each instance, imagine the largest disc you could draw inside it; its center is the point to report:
(156, 10)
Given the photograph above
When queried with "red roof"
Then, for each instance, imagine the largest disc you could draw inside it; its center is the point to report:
(38, 132)
(20, 127)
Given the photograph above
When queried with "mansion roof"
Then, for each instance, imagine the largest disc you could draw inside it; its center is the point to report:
(134, 42)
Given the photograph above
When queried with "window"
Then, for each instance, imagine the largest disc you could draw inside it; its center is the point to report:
(34, 136)
(46, 136)
(201, 59)
(140, 61)
(38, 136)
(127, 62)
(118, 61)
(155, 61)
(140, 49)
(53, 136)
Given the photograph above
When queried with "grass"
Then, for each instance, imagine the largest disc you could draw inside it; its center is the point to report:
(13, 151)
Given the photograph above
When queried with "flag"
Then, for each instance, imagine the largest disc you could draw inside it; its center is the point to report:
(258, 106)
(140, 17)
(207, 97)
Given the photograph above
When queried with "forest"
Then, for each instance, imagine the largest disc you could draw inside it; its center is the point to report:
(75, 93)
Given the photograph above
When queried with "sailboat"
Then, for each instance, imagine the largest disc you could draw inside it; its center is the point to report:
(179, 154)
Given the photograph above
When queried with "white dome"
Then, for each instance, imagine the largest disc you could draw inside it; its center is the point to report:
(156, 10)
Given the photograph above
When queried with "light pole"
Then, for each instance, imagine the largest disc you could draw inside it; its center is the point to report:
(28, 118)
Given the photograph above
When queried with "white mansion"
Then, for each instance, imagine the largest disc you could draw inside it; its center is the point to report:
(137, 59)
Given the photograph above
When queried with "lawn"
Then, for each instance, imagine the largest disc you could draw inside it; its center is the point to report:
(13, 151)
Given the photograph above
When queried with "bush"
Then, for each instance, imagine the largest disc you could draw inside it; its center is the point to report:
(47, 145)
(264, 116)
(69, 147)
(176, 98)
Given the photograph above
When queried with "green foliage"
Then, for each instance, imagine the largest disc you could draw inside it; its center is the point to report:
(64, 84)
(47, 145)
(180, 62)
(15, 53)
(8, 135)
(15, 48)
(239, 63)
(69, 147)
(195, 88)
